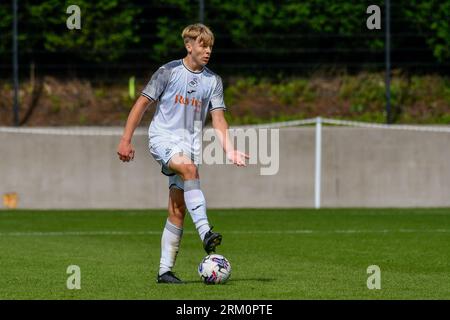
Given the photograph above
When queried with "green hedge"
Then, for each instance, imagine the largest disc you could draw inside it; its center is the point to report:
(415, 99)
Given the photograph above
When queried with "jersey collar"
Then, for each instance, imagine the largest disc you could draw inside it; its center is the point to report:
(196, 72)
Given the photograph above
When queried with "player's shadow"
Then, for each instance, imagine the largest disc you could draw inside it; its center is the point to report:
(252, 280)
(237, 280)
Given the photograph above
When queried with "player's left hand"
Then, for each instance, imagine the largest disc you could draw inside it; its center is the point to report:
(238, 157)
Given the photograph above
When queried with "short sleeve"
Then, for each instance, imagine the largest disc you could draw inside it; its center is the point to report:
(157, 84)
(217, 96)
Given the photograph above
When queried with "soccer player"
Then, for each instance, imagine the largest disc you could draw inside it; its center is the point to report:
(183, 91)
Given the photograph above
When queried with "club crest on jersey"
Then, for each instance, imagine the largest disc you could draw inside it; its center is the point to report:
(194, 82)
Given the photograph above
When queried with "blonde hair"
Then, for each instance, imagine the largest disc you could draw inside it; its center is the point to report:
(193, 31)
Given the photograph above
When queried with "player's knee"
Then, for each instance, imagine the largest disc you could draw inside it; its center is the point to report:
(189, 172)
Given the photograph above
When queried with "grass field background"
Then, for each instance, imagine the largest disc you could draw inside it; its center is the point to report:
(274, 253)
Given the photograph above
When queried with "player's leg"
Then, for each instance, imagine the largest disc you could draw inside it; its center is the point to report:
(171, 237)
(195, 200)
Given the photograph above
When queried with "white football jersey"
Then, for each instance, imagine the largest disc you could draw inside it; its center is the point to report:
(183, 100)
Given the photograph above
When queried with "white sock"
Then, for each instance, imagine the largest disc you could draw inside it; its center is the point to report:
(196, 205)
(170, 243)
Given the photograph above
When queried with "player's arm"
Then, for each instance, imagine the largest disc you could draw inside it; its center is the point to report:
(220, 125)
(125, 150)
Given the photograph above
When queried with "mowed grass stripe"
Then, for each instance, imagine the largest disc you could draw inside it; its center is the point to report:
(154, 232)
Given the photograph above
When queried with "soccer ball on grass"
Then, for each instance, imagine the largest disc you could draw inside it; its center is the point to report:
(214, 269)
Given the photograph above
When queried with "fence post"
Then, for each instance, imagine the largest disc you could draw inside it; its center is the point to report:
(387, 47)
(201, 11)
(15, 66)
(318, 163)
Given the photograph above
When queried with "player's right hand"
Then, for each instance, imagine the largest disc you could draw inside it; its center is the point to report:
(125, 151)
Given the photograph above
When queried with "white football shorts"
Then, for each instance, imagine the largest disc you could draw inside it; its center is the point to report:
(162, 151)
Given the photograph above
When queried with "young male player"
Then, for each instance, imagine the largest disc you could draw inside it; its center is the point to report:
(183, 91)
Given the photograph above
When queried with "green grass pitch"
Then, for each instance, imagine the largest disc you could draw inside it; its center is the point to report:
(274, 253)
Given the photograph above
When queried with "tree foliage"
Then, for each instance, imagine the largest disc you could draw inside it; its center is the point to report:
(432, 19)
(110, 28)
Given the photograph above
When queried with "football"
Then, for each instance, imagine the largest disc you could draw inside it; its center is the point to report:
(214, 269)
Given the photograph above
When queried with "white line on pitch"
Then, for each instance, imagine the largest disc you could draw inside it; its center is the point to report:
(152, 232)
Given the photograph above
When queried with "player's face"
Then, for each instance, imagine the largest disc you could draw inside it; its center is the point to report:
(200, 52)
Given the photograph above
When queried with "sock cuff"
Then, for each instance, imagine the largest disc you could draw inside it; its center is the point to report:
(173, 228)
(191, 185)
